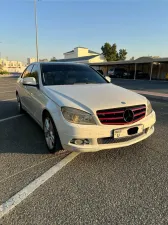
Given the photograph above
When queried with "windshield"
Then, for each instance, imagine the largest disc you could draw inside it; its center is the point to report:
(58, 74)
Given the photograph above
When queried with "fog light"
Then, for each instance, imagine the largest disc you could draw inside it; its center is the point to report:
(86, 142)
(79, 141)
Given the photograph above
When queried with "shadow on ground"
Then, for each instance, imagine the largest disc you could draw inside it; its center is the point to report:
(22, 135)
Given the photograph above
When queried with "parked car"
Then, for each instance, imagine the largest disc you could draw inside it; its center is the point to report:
(139, 75)
(79, 110)
(116, 72)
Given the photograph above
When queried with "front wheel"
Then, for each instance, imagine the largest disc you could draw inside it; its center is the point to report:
(51, 135)
(19, 104)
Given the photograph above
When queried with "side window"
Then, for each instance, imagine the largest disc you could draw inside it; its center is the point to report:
(34, 73)
(27, 72)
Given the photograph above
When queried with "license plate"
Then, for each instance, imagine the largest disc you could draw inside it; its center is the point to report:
(120, 133)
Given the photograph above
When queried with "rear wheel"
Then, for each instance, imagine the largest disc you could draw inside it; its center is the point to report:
(19, 104)
(51, 135)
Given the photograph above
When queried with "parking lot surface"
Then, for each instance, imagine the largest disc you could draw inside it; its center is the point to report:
(146, 85)
(120, 186)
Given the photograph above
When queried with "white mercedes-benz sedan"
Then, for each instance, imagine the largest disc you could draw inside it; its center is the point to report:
(80, 110)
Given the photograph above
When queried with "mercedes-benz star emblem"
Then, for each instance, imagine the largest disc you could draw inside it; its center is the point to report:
(128, 115)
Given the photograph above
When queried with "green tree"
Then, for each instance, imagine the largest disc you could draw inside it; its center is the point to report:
(109, 51)
(53, 59)
(111, 54)
(122, 54)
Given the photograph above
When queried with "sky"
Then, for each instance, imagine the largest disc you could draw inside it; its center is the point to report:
(139, 26)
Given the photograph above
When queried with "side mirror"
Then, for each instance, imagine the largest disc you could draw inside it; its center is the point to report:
(30, 81)
(108, 78)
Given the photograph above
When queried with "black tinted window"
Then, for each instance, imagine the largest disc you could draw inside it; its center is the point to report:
(58, 74)
(27, 72)
(34, 73)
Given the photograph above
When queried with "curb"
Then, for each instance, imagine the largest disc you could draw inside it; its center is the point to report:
(9, 76)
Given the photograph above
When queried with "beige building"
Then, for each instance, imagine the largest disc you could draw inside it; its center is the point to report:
(82, 55)
(31, 60)
(43, 60)
(12, 66)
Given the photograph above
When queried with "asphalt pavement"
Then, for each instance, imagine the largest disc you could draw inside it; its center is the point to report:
(120, 186)
(146, 85)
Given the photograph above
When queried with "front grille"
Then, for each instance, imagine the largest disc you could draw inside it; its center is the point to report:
(111, 140)
(116, 116)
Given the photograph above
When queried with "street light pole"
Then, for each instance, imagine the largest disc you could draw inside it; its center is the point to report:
(35, 14)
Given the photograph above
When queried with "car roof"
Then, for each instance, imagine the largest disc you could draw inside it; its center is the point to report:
(63, 63)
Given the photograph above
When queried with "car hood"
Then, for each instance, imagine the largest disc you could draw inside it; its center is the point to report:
(93, 97)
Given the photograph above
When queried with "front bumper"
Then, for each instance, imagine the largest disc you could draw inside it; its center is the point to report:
(68, 131)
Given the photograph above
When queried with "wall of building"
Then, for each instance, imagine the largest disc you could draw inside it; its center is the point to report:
(78, 52)
(12, 66)
(31, 60)
(99, 58)
(69, 55)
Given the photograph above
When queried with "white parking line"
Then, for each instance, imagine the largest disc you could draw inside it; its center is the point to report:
(6, 87)
(7, 92)
(7, 84)
(12, 117)
(5, 100)
(30, 188)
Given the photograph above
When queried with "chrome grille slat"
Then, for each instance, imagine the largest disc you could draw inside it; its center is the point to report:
(116, 116)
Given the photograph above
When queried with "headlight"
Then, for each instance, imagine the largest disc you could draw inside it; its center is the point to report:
(149, 108)
(77, 116)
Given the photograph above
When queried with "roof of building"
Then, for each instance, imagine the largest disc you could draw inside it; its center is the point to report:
(90, 51)
(69, 52)
(139, 60)
(83, 58)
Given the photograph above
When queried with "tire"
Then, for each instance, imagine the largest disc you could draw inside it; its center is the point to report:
(51, 135)
(19, 104)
